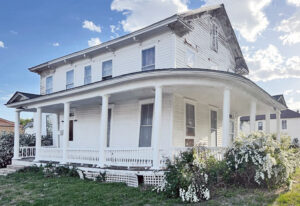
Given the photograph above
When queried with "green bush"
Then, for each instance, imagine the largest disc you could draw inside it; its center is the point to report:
(51, 170)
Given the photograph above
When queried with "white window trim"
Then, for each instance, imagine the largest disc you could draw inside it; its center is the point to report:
(140, 103)
(190, 50)
(73, 78)
(84, 73)
(192, 102)
(216, 109)
(149, 46)
(46, 84)
(112, 66)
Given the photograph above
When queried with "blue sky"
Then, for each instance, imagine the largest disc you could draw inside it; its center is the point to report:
(35, 31)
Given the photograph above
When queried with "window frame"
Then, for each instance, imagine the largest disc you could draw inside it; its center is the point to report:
(282, 121)
(194, 103)
(139, 113)
(212, 108)
(90, 76)
(51, 89)
(258, 126)
(112, 66)
(155, 57)
(186, 57)
(72, 84)
(214, 33)
(108, 143)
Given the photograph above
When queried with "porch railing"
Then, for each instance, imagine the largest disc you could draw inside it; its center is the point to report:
(26, 152)
(50, 154)
(130, 157)
(82, 155)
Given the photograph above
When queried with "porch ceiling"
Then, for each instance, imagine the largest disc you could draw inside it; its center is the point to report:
(213, 96)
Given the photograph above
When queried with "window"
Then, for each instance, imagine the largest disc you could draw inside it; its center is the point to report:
(214, 37)
(49, 126)
(148, 59)
(49, 85)
(87, 75)
(108, 127)
(146, 125)
(213, 128)
(231, 130)
(70, 79)
(107, 69)
(190, 120)
(71, 127)
(260, 126)
(190, 58)
(284, 124)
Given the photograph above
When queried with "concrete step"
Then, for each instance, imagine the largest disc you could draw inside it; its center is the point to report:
(15, 167)
(6, 171)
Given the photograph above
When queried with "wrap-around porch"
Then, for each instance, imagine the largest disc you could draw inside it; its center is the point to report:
(142, 126)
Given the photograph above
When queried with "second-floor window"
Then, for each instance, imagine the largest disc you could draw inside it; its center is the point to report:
(70, 79)
(87, 75)
(49, 85)
(284, 124)
(214, 37)
(148, 59)
(107, 69)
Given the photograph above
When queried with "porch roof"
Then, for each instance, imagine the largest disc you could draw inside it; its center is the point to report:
(145, 75)
(285, 114)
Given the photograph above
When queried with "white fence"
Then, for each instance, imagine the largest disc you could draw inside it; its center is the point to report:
(26, 152)
(129, 157)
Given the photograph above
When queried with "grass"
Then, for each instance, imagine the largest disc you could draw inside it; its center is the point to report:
(34, 189)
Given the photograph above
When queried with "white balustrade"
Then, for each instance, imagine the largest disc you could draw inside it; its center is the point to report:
(26, 152)
(129, 157)
(82, 155)
(50, 154)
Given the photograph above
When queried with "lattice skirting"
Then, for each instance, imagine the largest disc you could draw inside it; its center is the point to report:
(130, 178)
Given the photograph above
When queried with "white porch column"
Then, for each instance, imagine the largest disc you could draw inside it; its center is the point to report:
(156, 126)
(103, 129)
(252, 116)
(17, 135)
(38, 136)
(278, 113)
(66, 131)
(226, 118)
(268, 130)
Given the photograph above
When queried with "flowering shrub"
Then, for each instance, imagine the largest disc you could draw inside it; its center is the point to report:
(259, 160)
(192, 175)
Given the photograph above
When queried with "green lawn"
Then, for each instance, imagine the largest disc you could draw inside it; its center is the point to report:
(35, 189)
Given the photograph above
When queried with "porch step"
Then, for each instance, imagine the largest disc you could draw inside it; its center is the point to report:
(10, 169)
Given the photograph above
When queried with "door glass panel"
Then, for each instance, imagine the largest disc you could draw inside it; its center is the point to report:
(108, 127)
(190, 120)
(146, 125)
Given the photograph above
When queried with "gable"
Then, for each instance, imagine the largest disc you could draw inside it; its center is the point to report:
(21, 96)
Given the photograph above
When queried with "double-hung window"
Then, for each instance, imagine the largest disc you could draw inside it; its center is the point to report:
(70, 79)
(214, 37)
(107, 69)
(189, 124)
(87, 75)
(148, 59)
(213, 128)
(260, 126)
(284, 124)
(146, 125)
(49, 85)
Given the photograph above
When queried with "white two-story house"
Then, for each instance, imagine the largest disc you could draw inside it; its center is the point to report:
(135, 100)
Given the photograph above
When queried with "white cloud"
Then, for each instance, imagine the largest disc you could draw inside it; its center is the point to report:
(1, 44)
(6, 97)
(94, 42)
(140, 13)
(247, 16)
(114, 30)
(13, 32)
(294, 2)
(268, 64)
(91, 26)
(291, 29)
(55, 44)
